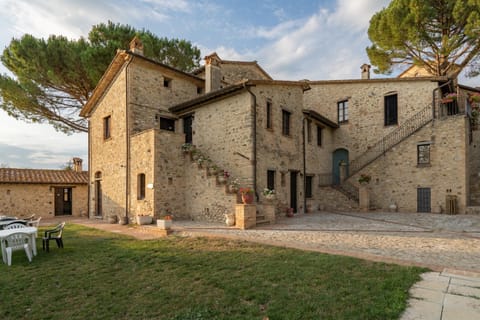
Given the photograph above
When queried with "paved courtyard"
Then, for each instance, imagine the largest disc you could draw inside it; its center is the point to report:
(431, 240)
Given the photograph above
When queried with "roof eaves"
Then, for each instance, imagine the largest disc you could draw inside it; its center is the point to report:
(209, 97)
(115, 66)
(318, 117)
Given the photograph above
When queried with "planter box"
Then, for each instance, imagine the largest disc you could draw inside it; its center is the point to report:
(141, 220)
(164, 224)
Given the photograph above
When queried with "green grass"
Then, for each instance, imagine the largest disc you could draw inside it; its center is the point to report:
(103, 275)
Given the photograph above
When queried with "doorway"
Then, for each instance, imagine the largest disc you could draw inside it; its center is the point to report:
(63, 201)
(293, 190)
(98, 194)
(339, 155)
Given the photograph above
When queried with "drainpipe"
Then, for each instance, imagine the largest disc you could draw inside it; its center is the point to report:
(304, 167)
(127, 135)
(254, 160)
(89, 173)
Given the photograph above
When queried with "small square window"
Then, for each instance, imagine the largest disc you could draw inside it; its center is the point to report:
(167, 124)
(423, 154)
(107, 127)
(167, 82)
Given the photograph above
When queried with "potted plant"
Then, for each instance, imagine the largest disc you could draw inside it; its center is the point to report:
(187, 147)
(474, 97)
(269, 194)
(165, 222)
(212, 170)
(289, 212)
(449, 97)
(223, 176)
(364, 178)
(143, 219)
(233, 186)
(247, 195)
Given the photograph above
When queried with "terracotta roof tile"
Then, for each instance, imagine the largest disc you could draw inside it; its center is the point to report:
(12, 175)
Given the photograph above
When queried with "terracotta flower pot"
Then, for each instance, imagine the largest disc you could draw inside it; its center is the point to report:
(247, 198)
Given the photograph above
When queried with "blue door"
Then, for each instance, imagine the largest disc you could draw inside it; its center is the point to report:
(339, 155)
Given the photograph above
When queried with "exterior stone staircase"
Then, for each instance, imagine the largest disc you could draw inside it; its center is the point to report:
(261, 220)
(409, 127)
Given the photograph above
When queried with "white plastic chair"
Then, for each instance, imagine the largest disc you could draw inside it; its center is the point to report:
(17, 241)
(34, 223)
(14, 225)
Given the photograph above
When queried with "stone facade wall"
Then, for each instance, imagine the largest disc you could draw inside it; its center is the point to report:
(170, 175)
(142, 161)
(150, 99)
(223, 130)
(275, 151)
(235, 72)
(23, 200)
(108, 157)
(205, 198)
(396, 175)
(365, 124)
(330, 199)
(474, 169)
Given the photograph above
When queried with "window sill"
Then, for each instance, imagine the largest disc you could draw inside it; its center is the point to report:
(107, 139)
(269, 129)
(343, 122)
(423, 165)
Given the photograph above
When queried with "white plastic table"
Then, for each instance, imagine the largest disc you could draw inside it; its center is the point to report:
(32, 232)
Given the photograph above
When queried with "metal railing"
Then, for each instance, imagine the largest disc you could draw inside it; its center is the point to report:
(348, 189)
(405, 130)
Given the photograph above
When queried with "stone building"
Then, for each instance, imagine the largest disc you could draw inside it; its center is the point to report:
(45, 193)
(308, 140)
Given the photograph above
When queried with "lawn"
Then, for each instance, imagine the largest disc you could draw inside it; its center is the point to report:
(102, 275)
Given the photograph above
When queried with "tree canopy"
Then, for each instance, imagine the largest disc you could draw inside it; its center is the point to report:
(441, 36)
(54, 78)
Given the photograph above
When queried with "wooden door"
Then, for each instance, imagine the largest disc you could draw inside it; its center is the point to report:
(293, 190)
(63, 201)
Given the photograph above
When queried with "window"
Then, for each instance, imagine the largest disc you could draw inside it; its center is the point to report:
(342, 111)
(107, 127)
(391, 110)
(319, 135)
(199, 90)
(286, 122)
(167, 124)
(423, 154)
(271, 179)
(309, 130)
(269, 114)
(308, 186)
(141, 186)
(167, 82)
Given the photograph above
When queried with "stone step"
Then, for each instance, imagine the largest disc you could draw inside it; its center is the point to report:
(263, 221)
(473, 210)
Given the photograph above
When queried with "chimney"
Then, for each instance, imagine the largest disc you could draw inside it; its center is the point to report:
(365, 71)
(213, 74)
(77, 164)
(136, 46)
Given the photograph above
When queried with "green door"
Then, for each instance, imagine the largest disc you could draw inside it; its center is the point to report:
(339, 155)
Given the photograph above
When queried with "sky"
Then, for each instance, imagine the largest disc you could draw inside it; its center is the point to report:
(291, 40)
